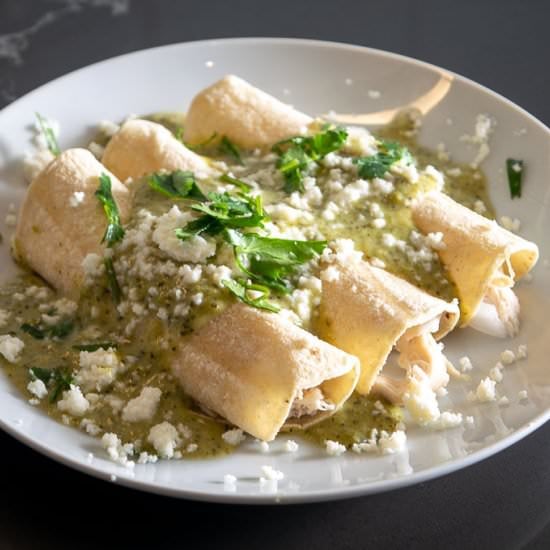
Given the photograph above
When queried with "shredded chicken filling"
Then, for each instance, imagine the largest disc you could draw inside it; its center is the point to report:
(498, 313)
(309, 402)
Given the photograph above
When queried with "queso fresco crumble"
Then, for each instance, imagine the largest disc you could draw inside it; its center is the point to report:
(100, 362)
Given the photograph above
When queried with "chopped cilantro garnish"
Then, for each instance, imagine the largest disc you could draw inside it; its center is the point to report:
(227, 147)
(222, 210)
(242, 185)
(177, 185)
(59, 379)
(48, 134)
(114, 231)
(377, 165)
(298, 153)
(94, 347)
(514, 169)
(252, 294)
(270, 261)
(112, 280)
(62, 329)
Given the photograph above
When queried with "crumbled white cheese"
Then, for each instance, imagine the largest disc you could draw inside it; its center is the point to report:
(229, 483)
(98, 369)
(374, 94)
(143, 407)
(511, 224)
(333, 448)
(273, 475)
(446, 420)
(77, 198)
(196, 249)
(90, 427)
(264, 446)
(421, 402)
(11, 347)
(92, 264)
(108, 128)
(73, 402)
(96, 149)
(34, 162)
(164, 438)
(507, 357)
(521, 354)
(37, 388)
(465, 364)
(522, 395)
(486, 391)
(234, 437)
(479, 207)
(147, 458)
(496, 373)
(10, 220)
(503, 401)
(118, 452)
(291, 446)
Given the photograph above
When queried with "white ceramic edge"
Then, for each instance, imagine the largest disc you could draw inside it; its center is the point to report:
(325, 494)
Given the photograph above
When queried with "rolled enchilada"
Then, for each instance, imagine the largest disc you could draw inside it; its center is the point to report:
(246, 115)
(483, 259)
(367, 311)
(141, 147)
(262, 373)
(61, 221)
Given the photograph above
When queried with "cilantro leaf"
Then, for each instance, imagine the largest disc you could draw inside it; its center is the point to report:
(34, 331)
(94, 347)
(377, 165)
(514, 169)
(48, 134)
(60, 379)
(242, 185)
(61, 330)
(227, 147)
(179, 184)
(270, 261)
(112, 280)
(39, 373)
(114, 231)
(243, 291)
(297, 154)
(222, 210)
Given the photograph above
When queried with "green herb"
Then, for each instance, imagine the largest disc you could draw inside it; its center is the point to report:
(41, 374)
(377, 165)
(114, 231)
(227, 147)
(112, 280)
(94, 347)
(48, 134)
(59, 379)
(242, 185)
(297, 154)
(34, 331)
(515, 176)
(270, 261)
(61, 330)
(201, 145)
(222, 211)
(62, 380)
(177, 185)
(243, 290)
(178, 134)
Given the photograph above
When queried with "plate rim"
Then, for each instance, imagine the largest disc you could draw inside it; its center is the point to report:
(319, 495)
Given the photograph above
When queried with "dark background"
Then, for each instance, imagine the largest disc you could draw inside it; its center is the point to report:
(504, 502)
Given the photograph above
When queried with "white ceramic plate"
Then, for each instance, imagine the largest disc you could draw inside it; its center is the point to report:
(316, 77)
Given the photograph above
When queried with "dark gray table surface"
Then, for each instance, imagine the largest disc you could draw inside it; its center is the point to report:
(503, 502)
